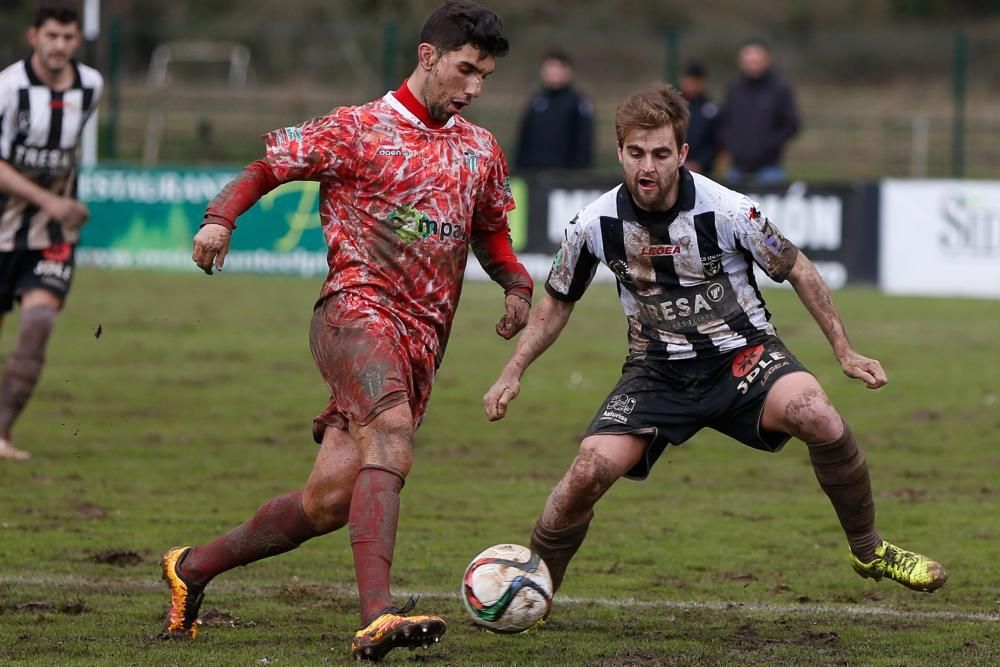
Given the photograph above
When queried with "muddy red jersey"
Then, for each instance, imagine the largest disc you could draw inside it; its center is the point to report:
(399, 203)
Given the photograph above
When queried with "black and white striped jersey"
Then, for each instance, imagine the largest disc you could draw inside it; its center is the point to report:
(40, 133)
(685, 276)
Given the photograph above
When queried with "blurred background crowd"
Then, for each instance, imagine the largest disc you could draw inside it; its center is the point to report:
(878, 87)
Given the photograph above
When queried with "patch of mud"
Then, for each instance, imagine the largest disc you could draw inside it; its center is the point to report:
(120, 558)
(925, 415)
(90, 511)
(213, 618)
(73, 608)
(907, 496)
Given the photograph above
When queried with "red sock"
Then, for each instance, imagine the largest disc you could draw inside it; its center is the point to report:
(373, 520)
(280, 525)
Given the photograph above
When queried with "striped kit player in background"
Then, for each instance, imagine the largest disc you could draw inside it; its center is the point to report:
(45, 102)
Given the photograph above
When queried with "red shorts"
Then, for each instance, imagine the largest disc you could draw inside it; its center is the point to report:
(368, 361)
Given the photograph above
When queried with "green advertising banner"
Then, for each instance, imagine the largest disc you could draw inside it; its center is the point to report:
(147, 217)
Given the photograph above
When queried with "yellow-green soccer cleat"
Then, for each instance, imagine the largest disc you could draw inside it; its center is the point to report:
(185, 599)
(394, 630)
(914, 571)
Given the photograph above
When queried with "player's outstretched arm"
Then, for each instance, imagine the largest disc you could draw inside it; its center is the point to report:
(546, 323)
(211, 243)
(816, 297)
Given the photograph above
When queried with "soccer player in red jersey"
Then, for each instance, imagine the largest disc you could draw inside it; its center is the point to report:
(406, 186)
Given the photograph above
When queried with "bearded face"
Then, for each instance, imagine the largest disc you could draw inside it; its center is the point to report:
(652, 161)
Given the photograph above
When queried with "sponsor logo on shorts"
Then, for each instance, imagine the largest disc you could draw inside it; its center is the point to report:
(58, 252)
(46, 269)
(746, 359)
(752, 363)
(372, 380)
(619, 408)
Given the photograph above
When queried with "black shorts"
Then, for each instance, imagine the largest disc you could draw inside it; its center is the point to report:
(670, 401)
(50, 269)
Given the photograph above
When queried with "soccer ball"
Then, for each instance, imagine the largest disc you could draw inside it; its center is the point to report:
(507, 588)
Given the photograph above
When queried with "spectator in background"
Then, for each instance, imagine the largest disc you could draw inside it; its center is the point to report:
(758, 118)
(557, 127)
(703, 133)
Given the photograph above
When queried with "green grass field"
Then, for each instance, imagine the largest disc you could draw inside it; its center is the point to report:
(194, 406)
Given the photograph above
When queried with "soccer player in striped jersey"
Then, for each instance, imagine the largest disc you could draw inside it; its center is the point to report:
(407, 186)
(45, 102)
(702, 349)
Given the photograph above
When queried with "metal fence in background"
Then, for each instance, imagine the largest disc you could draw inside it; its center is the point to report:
(910, 101)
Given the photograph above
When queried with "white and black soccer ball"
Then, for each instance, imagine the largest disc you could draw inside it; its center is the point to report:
(507, 588)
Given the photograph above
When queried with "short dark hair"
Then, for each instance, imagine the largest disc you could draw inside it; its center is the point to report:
(61, 11)
(649, 109)
(561, 56)
(755, 41)
(459, 22)
(696, 70)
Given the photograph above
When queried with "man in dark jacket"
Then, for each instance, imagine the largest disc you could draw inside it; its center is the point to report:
(703, 134)
(557, 127)
(759, 117)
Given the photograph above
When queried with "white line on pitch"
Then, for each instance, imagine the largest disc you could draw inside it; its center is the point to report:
(107, 585)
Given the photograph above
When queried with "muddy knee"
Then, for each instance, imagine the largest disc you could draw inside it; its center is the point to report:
(590, 476)
(594, 473)
(811, 417)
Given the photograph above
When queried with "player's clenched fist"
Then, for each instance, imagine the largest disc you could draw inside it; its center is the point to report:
(211, 245)
(499, 396)
(515, 318)
(863, 368)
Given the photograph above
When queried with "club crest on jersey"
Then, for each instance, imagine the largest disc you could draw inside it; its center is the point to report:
(471, 159)
(620, 268)
(712, 264)
(23, 121)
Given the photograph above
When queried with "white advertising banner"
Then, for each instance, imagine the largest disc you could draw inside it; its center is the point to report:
(940, 238)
